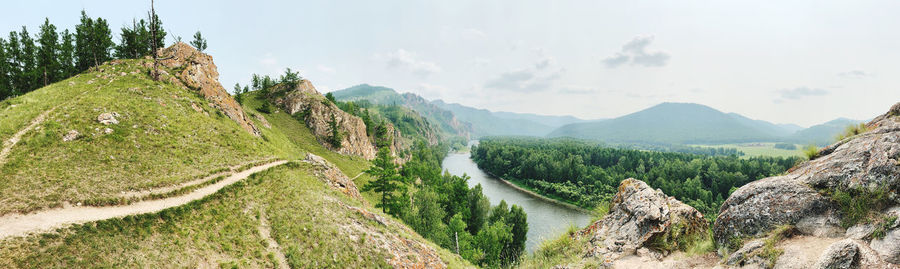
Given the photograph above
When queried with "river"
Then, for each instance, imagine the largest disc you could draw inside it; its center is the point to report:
(546, 219)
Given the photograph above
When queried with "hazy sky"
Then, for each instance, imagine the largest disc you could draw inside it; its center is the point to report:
(801, 62)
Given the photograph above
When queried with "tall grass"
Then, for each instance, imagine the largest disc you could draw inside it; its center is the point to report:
(853, 130)
(811, 152)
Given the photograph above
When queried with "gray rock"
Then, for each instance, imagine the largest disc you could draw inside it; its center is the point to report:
(888, 247)
(821, 226)
(760, 206)
(638, 213)
(71, 135)
(108, 118)
(860, 231)
(741, 256)
(843, 254)
(870, 160)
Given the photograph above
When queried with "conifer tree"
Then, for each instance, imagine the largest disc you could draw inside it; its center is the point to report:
(48, 66)
(67, 55)
(199, 42)
(30, 76)
(5, 87)
(388, 182)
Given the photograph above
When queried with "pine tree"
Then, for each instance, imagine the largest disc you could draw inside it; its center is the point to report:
(199, 42)
(388, 182)
(102, 38)
(83, 42)
(14, 64)
(5, 88)
(335, 138)
(48, 65)
(30, 78)
(67, 55)
(238, 96)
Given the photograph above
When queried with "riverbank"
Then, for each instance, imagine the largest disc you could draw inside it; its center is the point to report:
(531, 192)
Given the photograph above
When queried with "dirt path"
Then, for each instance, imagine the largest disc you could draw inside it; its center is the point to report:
(354, 178)
(265, 231)
(8, 144)
(20, 225)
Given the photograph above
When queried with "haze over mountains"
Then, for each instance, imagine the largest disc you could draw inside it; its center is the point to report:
(666, 123)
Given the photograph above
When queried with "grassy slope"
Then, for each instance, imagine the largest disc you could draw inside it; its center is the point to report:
(160, 140)
(219, 230)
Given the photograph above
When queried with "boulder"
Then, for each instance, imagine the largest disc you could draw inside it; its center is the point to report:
(638, 217)
(196, 71)
(868, 161)
(333, 176)
(746, 253)
(841, 255)
(108, 118)
(889, 246)
(760, 206)
(71, 135)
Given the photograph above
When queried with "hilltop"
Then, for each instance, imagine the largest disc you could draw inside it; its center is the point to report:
(114, 138)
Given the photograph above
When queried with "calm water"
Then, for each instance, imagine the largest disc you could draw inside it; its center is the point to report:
(546, 220)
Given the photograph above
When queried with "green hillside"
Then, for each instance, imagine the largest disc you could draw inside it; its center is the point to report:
(168, 135)
(444, 119)
(822, 134)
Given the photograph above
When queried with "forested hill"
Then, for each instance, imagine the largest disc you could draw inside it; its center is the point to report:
(478, 122)
(444, 119)
(587, 174)
(675, 123)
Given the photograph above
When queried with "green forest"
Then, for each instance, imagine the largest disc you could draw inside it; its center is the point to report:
(587, 174)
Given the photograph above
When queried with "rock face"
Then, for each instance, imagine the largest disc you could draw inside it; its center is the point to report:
(638, 216)
(306, 99)
(866, 162)
(198, 72)
(841, 255)
(334, 177)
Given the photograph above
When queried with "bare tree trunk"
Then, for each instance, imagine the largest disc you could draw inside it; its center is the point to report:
(153, 45)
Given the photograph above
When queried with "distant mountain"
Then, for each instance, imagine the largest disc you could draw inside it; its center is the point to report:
(674, 123)
(765, 126)
(480, 122)
(824, 133)
(488, 123)
(445, 120)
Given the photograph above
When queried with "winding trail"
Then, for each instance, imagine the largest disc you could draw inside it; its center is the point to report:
(265, 231)
(8, 144)
(354, 178)
(20, 225)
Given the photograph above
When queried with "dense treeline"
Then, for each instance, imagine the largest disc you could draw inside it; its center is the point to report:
(709, 151)
(587, 174)
(28, 63)
(443, 209)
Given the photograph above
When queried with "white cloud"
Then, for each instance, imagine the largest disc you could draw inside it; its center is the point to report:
(799, 93)
(402, 59)
(855, 74)
(538, 77)
(635, 51)
(472, 33)
(325, 69)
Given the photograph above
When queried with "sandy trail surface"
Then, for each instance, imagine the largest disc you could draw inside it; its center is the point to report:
(41, 221)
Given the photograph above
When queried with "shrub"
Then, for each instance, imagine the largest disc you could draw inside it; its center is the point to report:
(853, 130)
(265, 108)
(858, 204)
(811, 152)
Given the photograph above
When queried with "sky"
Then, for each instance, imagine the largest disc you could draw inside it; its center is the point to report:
(802, 62)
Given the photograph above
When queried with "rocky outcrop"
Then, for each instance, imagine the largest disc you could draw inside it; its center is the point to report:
(866, 162)
(318, 113)
(334, 177)
(197, 71)
(641, 217)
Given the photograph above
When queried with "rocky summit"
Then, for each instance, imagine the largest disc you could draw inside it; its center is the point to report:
(849, 190)
(641, 221)
(319, 112)
(198, 72)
